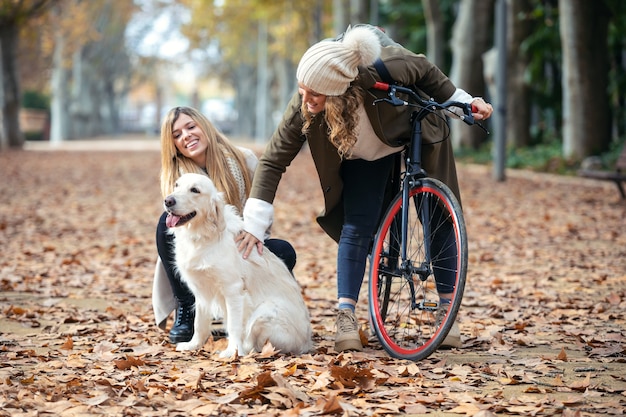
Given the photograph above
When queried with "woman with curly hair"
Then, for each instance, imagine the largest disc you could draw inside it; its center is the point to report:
(352, 143)
(191, 143)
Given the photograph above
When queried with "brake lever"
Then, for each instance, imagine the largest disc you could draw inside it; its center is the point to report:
(393, 100)
(482, 127)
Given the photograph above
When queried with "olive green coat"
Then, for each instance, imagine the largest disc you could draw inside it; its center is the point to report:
(391, 125)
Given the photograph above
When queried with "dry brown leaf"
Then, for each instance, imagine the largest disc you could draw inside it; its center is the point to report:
(332, 406)
(546, 271)
(467, 409)
(69, 344)
(128, 363)
(581, 385)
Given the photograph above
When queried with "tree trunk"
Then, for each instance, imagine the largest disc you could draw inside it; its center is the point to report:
(245, 82)
(4, 140)
(59, 120)
(262, 86)
(434, 26)
(359, 11)
(471, 38)
(586, 121)
(518, 108)
(11, 135)
(341, 16)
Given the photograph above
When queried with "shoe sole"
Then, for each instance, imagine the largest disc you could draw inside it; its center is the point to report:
(451, 342)
(181, 338)
(350, 344)
(217, 334)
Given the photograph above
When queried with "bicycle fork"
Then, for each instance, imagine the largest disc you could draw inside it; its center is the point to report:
(409, 270)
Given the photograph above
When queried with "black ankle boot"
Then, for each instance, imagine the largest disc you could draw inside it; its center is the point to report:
(182, 330)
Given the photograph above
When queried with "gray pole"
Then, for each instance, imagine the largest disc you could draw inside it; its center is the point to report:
(500, 99)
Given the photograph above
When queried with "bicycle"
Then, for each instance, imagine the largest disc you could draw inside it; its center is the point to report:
(414, 247)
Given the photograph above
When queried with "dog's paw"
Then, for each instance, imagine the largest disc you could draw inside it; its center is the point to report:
(228, 353)
(184, 346)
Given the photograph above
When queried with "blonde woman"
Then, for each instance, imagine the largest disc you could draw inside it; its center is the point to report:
(352, 143)
(191, 143)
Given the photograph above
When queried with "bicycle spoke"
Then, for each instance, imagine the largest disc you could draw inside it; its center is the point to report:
(405, 306)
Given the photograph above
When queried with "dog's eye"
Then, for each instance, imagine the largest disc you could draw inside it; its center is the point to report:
(195, 190)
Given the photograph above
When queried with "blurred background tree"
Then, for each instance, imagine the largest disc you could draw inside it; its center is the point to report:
(109, 67)
(14, 16)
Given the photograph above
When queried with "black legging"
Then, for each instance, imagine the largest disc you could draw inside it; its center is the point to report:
(165, 249)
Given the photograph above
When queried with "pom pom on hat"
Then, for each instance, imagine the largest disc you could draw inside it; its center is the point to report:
(328, 67)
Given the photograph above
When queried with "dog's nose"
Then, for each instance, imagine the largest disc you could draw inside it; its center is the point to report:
(169, 201)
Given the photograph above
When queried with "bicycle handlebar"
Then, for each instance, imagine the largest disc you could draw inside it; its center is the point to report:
(429, 105)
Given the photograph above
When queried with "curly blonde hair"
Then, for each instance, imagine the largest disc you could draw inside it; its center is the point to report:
(340, 115)
(219, 151)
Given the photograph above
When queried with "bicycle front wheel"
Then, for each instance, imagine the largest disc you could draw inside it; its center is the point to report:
(409, 286)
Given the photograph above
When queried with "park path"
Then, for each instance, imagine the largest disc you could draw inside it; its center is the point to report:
(543, 318)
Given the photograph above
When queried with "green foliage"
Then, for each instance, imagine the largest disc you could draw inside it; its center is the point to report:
(543, 158)
(34, 136)
(482, 155)
(617, 73)
(407, 22)
(35, 100)
(609, 158)
(544, 72)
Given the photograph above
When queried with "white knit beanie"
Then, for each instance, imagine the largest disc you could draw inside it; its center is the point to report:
(328, 67)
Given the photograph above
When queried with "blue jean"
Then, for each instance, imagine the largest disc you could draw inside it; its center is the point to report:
(363, 197)
(364, 184)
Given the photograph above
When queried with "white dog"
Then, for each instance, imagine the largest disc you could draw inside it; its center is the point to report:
(259, 297)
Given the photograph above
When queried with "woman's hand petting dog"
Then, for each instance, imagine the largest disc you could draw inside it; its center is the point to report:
(246, 243)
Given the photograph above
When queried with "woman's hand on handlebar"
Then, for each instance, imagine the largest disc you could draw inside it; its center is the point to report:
(481, 110)
(246, 243)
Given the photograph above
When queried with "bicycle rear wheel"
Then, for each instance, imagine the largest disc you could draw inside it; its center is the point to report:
(406, 312)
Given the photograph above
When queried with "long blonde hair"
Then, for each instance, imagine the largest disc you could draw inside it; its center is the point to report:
(340, 115)
(219, 150)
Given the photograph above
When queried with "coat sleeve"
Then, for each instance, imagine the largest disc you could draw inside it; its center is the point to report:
(283, 147)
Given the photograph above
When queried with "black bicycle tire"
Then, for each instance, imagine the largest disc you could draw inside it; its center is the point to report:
(442, 192)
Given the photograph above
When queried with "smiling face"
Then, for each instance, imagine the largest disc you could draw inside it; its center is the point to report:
(314, 101)
(189, 139)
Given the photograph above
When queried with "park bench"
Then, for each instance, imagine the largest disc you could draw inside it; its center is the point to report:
(618, 175)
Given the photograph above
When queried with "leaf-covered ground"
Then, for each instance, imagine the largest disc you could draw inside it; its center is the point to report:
(543, 318)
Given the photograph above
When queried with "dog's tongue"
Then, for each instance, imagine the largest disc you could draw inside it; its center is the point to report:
(171, 220)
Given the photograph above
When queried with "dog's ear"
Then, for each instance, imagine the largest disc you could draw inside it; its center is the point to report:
(216, 212)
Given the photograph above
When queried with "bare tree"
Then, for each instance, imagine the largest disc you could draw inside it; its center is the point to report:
(586, 121)
(341, 15)
(13, 15)
(518, 106)
(471, 38)
(435, 34)
(86, 95)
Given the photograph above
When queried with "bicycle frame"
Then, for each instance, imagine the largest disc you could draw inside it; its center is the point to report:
(420, 235)
(414, 171)
(413, 163)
